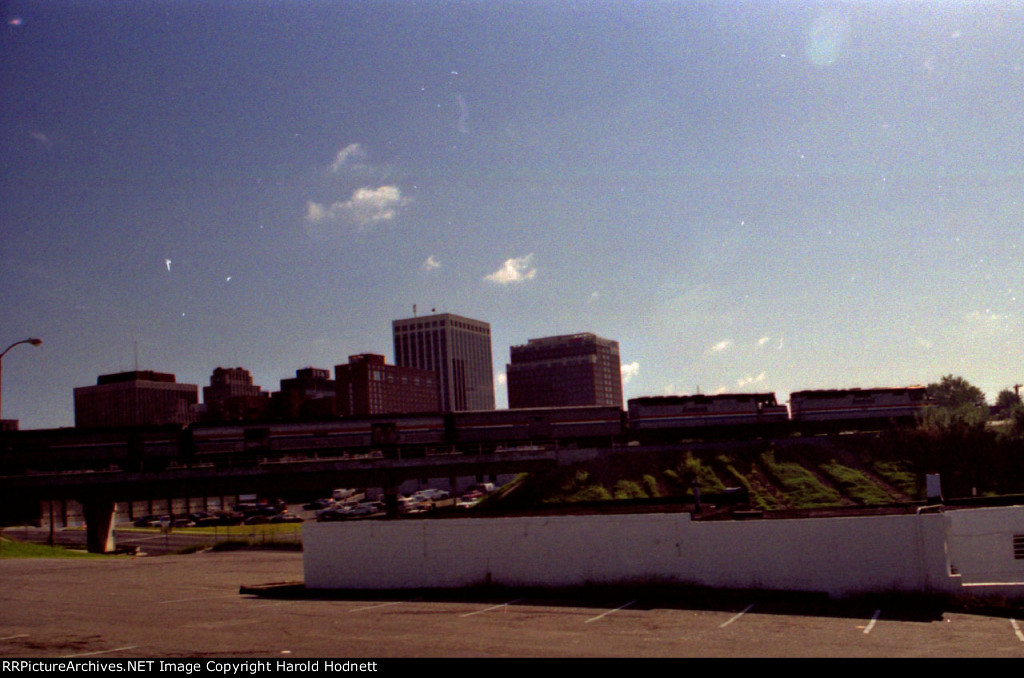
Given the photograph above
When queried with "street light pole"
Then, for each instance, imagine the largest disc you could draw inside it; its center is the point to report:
(33, 341)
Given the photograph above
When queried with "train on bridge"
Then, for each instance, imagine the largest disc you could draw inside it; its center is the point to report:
(660, 420)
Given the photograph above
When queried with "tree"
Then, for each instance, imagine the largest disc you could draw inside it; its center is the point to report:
(959, 408)
(954, 392)
(1006, 401)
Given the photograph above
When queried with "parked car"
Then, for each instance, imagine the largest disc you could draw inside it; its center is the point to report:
(221, 518)
(362, 510)
(318, 505)
(285, 518)
(153, 521)
(432, 494)
(466, 502)
(332, 514)
(342, 493)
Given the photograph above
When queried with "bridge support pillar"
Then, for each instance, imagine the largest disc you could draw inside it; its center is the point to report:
(391, 501)
(99, 526)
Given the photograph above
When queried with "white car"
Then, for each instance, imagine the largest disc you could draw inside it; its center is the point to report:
(431, 494)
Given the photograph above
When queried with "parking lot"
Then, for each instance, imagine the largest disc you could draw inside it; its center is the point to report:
(191, 606)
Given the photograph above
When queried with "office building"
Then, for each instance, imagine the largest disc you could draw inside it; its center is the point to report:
(138, 398)
(457, 349)
(366, 385)
(231, 396)
(310, 395)
(567, 370)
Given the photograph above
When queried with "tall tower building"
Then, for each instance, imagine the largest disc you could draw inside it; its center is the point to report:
(457, 349)
(567, 370)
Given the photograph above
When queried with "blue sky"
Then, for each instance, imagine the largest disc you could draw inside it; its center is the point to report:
(748, 196)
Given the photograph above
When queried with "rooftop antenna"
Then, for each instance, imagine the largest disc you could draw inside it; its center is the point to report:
(136, 355)
(414, 310)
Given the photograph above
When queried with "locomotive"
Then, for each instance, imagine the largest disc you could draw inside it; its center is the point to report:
(660, 418)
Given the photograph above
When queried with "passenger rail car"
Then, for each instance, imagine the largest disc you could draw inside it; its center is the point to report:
(338, 436)
(74, 449)
(662, 418)
(485, 430)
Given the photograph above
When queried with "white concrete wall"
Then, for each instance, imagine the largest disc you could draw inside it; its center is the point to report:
(981, 545)
(840, 556)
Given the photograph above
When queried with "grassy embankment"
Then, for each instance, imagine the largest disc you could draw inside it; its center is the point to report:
(11, 548)
(820, 474)
(227, 537)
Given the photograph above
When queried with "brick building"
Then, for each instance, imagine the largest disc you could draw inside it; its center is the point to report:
(366, 385)
(309, 395)
(565, 370)
(231, 396)
(137, 398)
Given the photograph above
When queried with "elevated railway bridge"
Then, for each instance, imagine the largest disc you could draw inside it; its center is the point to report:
(98, 491)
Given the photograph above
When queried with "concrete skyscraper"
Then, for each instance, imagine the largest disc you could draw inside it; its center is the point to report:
(457, 349)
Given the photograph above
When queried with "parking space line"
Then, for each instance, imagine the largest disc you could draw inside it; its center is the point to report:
(605, 614)
(737, 616)
(374, 607)
(1016, 629)
(871, 624)
(89, 654)
(492, 607)
(191, 600)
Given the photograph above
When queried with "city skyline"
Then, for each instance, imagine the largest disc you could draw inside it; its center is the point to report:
(746, 196)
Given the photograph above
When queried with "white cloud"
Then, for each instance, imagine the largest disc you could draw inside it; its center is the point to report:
(350, 155)
(986, 317)
(431, 264)
(366, 207)
(514, 271)
(720, 346)
(629, 371)
(763, 340)
(748, 380)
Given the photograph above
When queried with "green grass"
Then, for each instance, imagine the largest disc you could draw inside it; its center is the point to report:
(801, 487)
(760, 498)
(10, 548)
(896, 473)
(855, 484)
(267, 531)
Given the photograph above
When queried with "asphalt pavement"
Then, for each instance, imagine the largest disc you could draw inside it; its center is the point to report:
(193, 606)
